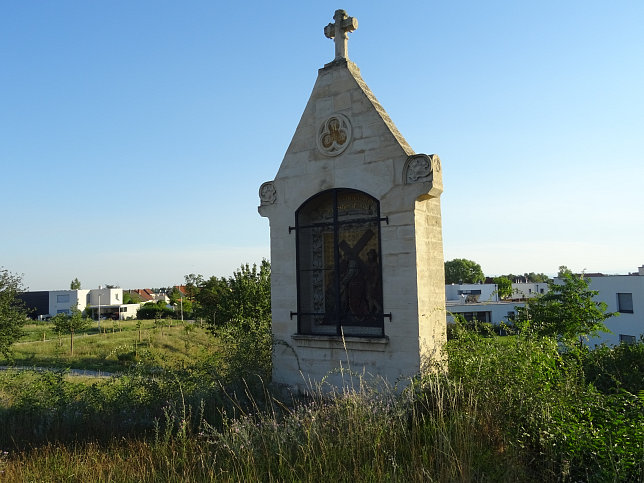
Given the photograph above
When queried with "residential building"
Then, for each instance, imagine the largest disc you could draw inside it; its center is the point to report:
(63, 301)
(523, 291)
(108, 302)
(479, 301)
(623, 294)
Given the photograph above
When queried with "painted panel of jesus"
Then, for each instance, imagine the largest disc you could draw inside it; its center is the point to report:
(339, 268)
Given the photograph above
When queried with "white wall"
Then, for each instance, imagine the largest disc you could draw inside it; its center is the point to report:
(459, 291)
(129, 310)
(608, 287)
(498, 310)
(108, 296)
(62, 301)
(528, 290)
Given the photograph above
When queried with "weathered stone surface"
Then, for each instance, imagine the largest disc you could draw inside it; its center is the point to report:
(378, 161)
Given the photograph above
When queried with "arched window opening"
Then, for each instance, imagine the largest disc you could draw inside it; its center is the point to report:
(339, 265)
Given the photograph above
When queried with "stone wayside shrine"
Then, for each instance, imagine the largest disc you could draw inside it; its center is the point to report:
(357, 280)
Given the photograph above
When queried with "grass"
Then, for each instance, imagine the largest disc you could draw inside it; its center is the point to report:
(119, 345)
(433, 432)
(510, 409)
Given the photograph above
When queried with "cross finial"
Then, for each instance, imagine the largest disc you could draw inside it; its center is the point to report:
(338, 32)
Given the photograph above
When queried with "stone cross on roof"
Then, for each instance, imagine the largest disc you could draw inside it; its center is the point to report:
(338, 32)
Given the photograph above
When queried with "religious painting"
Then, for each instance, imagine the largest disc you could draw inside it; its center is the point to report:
(339, 265)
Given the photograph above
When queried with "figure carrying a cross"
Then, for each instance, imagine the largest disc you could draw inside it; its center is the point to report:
(338, 32)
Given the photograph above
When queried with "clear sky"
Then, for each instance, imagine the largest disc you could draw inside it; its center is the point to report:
(134, 135)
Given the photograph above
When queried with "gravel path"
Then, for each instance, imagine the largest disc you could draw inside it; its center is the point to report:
(73, 372)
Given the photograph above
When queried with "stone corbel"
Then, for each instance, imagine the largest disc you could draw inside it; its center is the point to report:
(267, 197)
(423, 168)
(267, 193)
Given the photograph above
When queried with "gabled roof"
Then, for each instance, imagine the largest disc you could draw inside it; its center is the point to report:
(145, 294)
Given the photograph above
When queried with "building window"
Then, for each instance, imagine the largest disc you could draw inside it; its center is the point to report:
(339, 269)
(625, 303)
(626, 339)
(470, 296)
(62, 299)
(476, 316)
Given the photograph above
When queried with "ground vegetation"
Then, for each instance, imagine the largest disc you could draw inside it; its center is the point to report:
(568, 311)
(514, 408)
(13, 313)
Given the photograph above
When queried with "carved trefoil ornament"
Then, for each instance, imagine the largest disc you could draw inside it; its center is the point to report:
(334, 135)
(420, 168)
(267, 193)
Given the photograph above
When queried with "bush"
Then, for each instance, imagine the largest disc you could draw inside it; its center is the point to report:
(248, 347)
(153, 310)
(616, 369)
(548, 413)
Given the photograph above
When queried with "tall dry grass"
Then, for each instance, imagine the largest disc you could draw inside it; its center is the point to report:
(433, 431)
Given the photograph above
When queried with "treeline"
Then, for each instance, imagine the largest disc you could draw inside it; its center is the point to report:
(462, 270)
(216, 301)
(246, 294)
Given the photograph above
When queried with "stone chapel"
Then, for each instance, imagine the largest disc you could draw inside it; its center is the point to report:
(357, 280)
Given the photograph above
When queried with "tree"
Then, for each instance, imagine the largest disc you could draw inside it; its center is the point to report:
(536, 277)
(245, 304)
(70, 324)
(154, 310)
(245, 295)
(461, 270)
(567, 311)
(131, 297)
(504, 287)
(238, 310)
(563, 271)
(250, 292)
(193, 283)
(75, 285)
(175, 296)
(13, 313)
(180, 303)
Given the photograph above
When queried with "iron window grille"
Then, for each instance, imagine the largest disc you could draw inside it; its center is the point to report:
(339, 265)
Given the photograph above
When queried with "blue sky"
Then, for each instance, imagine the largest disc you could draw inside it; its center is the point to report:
(134, 135)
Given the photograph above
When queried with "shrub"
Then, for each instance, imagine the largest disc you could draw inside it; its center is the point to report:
(548, 413)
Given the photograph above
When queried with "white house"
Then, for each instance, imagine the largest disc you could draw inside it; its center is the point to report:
(471, 292)
(106, 296)
(62, 301)
(623, 294)
(493, 312)
(478, 301)
(108, 302)
(522, 291)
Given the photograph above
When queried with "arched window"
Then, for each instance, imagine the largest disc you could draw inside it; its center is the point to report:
(339, 269)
